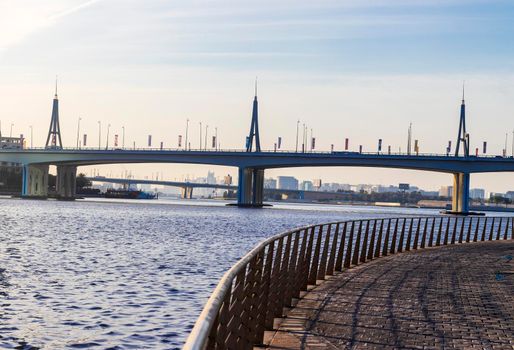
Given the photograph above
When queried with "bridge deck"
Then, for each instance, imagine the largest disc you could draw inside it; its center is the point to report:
(447, 297)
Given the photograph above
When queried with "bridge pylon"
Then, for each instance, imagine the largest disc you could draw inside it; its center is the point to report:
(54, 141)
(462, 137)
(254, 128)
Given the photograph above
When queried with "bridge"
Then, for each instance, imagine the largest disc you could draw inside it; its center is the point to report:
(251, 163)
(186, 186)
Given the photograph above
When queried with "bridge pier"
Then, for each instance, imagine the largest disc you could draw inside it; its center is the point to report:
(460, 198)
(186, 193)
(66, 182)
(250, 188)
(34, 181)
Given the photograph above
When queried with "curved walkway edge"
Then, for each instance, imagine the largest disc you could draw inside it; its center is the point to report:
(455, 296)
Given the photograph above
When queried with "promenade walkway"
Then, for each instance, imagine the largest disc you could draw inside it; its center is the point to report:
(459, 296)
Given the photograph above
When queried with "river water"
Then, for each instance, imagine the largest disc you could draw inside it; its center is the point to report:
(128, 275)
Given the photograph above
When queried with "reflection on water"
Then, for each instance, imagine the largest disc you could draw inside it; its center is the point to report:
(111, 274)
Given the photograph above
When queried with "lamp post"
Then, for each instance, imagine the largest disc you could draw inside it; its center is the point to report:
(205, 143)
(123, 137)
(10, 133)
(297, 126)
(99, 134)
(78, 131)
(31, 137)
(200, 136)
(107, 142)
(187, 129)
(513, 143)
(216, 138)
(303, 138)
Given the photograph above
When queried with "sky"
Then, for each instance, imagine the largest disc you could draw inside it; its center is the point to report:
(361, 70)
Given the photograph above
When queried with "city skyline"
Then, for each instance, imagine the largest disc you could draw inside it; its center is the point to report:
(318, 64)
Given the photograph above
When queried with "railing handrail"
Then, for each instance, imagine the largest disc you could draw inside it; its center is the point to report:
(200, 332)
(270, 151)
(199, 336)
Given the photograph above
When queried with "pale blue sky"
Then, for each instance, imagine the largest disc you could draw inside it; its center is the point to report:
(358, 69)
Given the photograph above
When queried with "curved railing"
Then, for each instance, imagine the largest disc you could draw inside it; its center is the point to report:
(257, 288)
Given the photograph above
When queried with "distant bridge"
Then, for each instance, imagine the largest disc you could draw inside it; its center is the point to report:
(186, 187)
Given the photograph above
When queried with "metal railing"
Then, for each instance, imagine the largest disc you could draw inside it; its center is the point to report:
(257, 288)
(242, 150)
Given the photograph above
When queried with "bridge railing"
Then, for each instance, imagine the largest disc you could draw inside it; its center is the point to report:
(240, 150)
(273, 275)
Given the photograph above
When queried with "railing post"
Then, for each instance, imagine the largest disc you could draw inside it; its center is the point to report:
(253, 295)
(234, 324)
(365, 243)
(333, 250)
(315, 259)
(264, 297)
(274, 285)
(477, 228)
(378, 245)
(284, 269)
(349, 246)
(424, 236)
(372, 240)
(447, 231)
(395, 232)
(291, 274)
(356, 248)
(499, 229)
(506, 229)
(402, 234)
(438, 242)
(461, 235)
(454, 230)
(484, 230)
(432, 229)
(492, 229)
(385, 250)
(340, 252)
(219, 329)
(416, 237)
(308, 259)
(468, 233)
(324, 254)
(409, 236)
(301, 282)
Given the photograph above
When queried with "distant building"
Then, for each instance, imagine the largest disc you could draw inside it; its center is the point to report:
(446, 191)
(227, 180)
(317, 183)
(287, 182)
(510, 195)
(477, 193)
(270, 183)
(211, 179)
(307, 186)
(12, 142)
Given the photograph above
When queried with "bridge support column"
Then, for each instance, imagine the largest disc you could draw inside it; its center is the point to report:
(34, 181)
(460, 198)
(250, 188)
(186, 193)
(66, 182)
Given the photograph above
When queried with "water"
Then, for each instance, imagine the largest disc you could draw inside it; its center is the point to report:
(128, 275)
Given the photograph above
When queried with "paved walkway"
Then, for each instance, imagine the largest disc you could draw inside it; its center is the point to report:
(458, 297)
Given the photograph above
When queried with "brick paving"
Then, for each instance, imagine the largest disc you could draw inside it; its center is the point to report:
(451, 297)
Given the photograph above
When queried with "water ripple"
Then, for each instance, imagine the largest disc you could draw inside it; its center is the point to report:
(81, 275)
